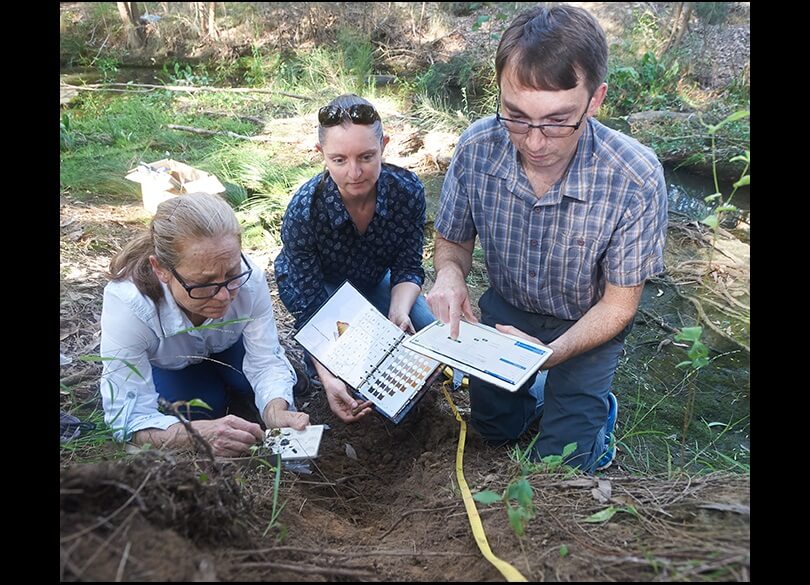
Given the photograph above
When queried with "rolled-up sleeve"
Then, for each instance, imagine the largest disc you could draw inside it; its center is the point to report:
(454, 220)
(128, 393)
(636, 249)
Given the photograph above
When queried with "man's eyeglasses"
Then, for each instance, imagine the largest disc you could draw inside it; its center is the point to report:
(358, 114)
(548, 130)
(206, 291)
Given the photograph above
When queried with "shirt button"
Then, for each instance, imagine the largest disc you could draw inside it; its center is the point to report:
(534, 243)
(532, 274)
(581, 242)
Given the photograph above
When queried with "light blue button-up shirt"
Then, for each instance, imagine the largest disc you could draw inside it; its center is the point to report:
(604, 220)
(136, 334)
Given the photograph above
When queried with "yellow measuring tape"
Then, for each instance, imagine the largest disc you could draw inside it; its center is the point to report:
(507, 570)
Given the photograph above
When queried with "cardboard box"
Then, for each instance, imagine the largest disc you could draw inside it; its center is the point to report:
(167, 178)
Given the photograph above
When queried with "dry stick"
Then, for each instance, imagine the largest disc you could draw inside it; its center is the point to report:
(119, 575)
(196, 438)
(228, 133)
(658, 321)
(316, 570)
(705, 319)
(416, 511)
(110, 517)
(184, 88)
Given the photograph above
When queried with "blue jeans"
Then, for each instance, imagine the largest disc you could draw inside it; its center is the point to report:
(209, 381)
(572, 406)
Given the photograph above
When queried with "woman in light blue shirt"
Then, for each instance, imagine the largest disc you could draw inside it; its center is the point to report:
(187, 315)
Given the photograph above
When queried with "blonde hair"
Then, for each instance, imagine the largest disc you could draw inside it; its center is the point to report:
(176, 222)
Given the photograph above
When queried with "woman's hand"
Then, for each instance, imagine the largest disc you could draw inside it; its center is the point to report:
(277, 414)
(341, 402)
(228, 436)
(403, 321)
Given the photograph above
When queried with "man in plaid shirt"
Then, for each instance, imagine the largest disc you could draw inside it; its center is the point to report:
(571, 216)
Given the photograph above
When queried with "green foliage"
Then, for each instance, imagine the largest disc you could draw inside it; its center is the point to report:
(648, 84)
(608, 513)
(518, 495)
(358, 54)
(698, 353)
(179, 73)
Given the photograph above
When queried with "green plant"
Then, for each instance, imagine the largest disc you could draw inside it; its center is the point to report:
(698, 357)
(276, 510)
(713, 219)
(648, 84)
(517, 497)
(108, 67)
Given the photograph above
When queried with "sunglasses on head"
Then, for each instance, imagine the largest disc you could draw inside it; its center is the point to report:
(358, 114)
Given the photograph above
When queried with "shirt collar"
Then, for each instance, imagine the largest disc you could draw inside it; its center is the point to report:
(336, 209)
(172, 317)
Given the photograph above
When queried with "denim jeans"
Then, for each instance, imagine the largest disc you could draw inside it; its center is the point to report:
(209, 380)
(572, 405)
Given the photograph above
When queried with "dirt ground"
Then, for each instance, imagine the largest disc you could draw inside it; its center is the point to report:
(391, 512)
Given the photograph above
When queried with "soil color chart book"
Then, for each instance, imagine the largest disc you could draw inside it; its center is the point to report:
(355, 342)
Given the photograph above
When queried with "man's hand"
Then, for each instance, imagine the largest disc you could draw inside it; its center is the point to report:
(556, 356)
(341, 402)
(277, 414)
(449, 300)
(229, 436)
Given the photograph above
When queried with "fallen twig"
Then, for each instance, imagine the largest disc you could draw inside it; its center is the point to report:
(204, 132)
(310, 570)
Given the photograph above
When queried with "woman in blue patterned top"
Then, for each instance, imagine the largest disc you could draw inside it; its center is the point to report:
(360, 220)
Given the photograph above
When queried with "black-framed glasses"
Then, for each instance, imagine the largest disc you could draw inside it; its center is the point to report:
(548, 130)
(358, 114)
(206, 291)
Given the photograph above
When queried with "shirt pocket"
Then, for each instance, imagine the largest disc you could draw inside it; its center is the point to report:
(572, 265)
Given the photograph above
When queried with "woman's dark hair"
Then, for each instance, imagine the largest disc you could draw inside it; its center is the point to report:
(550, 48)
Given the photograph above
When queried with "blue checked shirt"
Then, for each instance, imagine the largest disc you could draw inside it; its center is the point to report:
(604, 220)
(322, 244)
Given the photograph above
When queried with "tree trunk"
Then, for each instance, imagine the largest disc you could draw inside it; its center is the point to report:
(212, 26)
(130, 17)
(681, 14)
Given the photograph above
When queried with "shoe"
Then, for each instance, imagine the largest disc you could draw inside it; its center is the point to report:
(610, 438)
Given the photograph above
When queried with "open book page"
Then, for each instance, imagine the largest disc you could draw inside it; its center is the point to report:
(398, 379)
(483, 352)
(349, 336)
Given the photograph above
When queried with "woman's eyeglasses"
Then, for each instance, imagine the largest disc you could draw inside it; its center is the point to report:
(206, 291)
(358, 114)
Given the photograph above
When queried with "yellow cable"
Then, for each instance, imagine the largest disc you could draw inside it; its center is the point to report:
(508, 571)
